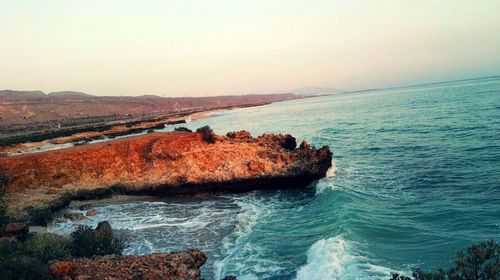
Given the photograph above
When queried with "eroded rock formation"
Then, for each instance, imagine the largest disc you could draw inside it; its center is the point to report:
(159, 164)
(180, 265)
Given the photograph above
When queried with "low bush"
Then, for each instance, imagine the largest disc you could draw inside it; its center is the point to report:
(30, 259)
(46, 247)
(20, 267)
(481, 261)
(3, 220)
(17, 264)
(207, 133)
(182, 129)
(88, 242)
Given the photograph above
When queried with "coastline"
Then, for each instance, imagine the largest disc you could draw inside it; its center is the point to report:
(98, 133)
(60, 139)
(161, 164)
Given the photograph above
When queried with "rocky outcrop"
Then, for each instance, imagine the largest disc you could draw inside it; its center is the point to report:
(156, 164)
(180, 265)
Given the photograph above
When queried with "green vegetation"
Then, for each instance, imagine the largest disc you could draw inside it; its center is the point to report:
(3, 220)
(88, 242)
(207, 132)
(182, 129)
(481, 261)
(20, 261)
(46, 247)
(31, 259)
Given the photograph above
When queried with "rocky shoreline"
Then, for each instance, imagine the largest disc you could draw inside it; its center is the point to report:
(171, 163)
(34, 186)
(177, 265)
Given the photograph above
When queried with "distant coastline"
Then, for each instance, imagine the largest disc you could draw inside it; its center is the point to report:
(32, 134)
(424, 84)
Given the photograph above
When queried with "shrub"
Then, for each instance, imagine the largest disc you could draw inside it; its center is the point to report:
(182, 129)
(30, 259)
(46, 247)
(207, 133)
(15, 264)
(3, 220)
(19, 267)
(88, 242)
(481, 261)
(40, 216)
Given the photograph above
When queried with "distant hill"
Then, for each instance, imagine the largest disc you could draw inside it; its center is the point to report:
(69, 94)
(28, 107)
(14, 94)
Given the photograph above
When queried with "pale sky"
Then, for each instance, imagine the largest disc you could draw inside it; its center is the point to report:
(179, 48)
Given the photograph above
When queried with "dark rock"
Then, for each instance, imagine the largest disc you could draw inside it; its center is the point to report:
(304, 146)
(104, 229)
(229, 277)
(289, 142)
(18, 230)
(182, 129)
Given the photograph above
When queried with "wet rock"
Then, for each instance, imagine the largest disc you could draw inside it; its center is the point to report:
(104, 230)
(74, 216)
(18, 230)
(92, 213)
(229, 277)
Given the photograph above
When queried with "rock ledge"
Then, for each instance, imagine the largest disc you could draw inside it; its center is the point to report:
(166, 163)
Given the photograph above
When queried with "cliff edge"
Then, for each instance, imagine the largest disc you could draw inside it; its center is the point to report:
(165, 163)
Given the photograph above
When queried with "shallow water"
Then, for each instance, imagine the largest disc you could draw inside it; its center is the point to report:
(417, 178)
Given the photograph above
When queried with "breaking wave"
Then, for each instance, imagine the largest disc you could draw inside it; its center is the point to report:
(336, 258)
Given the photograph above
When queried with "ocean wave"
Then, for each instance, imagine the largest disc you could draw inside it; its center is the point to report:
(325, 183)
(246, 219)
(241, 254)
(336, 258)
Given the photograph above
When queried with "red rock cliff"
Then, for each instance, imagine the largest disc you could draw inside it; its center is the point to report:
(157, 163)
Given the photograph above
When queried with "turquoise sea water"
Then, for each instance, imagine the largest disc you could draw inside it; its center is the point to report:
(417, 178)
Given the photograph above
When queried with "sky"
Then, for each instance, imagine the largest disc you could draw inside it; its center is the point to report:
(198, 48)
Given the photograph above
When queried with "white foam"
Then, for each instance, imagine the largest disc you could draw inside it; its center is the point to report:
(326, 183)
(326, 259)
(335, 258)
(240, 252)
(246, 219)
(332, 171)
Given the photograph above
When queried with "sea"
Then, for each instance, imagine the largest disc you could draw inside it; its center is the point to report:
(415, 177)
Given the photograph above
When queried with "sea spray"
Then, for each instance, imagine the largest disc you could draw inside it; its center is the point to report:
(327, 182)
(336, 258)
